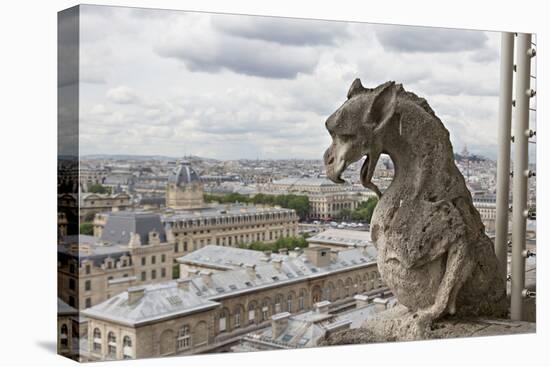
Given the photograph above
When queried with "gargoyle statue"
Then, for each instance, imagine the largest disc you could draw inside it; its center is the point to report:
(433, 252)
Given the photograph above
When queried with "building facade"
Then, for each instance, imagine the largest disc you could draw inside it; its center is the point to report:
(133, 249)
(326, 199)
(208, 310)
(184, 189)
(91, 204)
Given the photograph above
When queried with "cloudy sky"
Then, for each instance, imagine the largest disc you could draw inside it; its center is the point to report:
(233, 86)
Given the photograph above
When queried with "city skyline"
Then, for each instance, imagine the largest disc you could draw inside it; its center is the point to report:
(148, 88)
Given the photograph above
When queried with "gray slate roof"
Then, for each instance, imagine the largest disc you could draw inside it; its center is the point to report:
(183, 174)
(120, 225)
(342, 237)
(225, 257)
(205, 290)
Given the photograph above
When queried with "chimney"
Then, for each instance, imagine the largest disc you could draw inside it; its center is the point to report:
(206, 276)
(321, 307)
(334, 255)
(154, 238)
(361, 300)
(318, 256)
(183, 284)
(380, 304)
(135, 240)
(279, 323)
(277, 264)
(251, 270)
(135, 294)
(283, 251)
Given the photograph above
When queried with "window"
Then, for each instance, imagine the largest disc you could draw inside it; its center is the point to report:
(163, 273)
(223, 321)
(153, 274)
(97, 341)
(251, 314)
(143, 261)
(88, 302)
(238, 318)
(111, 342)
(88, 285)
(88, 269)
(289, 303)
(184, 338)
(143, 276)
(163, 258)
(153, 259)
(72, 284)
(64, 335)
(71, 268)
(301, 300)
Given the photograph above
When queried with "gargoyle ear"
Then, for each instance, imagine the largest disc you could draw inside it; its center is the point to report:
(383, 105)
(356, 88)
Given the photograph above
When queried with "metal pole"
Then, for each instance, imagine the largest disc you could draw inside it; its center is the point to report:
(504, 141)
(519, 202)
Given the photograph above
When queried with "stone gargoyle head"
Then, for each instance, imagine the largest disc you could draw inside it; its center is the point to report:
(357, 128)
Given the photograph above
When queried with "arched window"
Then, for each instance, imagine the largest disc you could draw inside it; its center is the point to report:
(64, 335)
(289, 302)
(252, 312)
(301, 300)
(237, 317)
(265, 309)
(341, 289)
(278, 302)
(184, 338)
(127, 348)
(223, 320)
(111, 342)
(97, 341)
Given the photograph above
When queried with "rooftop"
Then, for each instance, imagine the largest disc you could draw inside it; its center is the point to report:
(120, 225)
(221, 210)
(342, 237)
(205, 289)
(225, 257)
(183, 174)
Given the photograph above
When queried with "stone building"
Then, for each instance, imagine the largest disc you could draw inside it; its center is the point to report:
(67, 330)
(91, 203)
(486, 204)
(184, 189)
(210, 310)
(326, 199)
(217, 258)
(307, 329)
(133, 249)
(222, 225)
(230, 225)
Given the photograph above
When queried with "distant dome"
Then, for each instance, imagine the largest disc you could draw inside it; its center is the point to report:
(183, 174)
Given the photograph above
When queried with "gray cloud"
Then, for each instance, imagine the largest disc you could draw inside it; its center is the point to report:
(282, 30)
(181, 82)
(215, 53)
(418, 39)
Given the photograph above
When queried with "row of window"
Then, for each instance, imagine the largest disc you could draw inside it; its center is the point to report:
(153, 260)
(97, 344)
(231, 240)
(162, 273)
(234, 220)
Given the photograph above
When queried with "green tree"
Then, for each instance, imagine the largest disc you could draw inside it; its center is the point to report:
(87, 228)
(99, 189)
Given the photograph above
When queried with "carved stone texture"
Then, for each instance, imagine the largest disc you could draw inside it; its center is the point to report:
(388, 324)
(433, 252)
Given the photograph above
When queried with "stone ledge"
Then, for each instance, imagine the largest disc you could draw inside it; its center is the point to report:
(451, 327)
